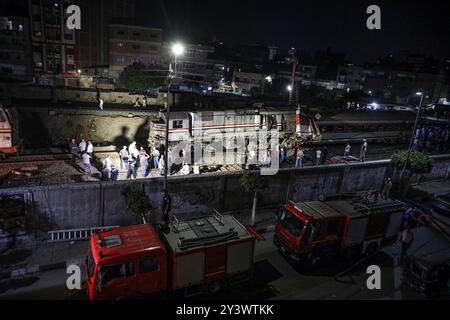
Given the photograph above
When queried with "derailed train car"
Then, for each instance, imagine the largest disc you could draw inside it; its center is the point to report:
(7, 146)
(190, 126)
(374, 126)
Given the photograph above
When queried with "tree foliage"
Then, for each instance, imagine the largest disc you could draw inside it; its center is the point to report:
(252, 181)
(419, 162)
(136, 199)
(136, 78)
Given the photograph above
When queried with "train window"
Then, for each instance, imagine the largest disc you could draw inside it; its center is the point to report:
(207, 116)
(350, 128)
(2, 117)
(177, 124)
(272, 122)
(340, 129)
(371, 128)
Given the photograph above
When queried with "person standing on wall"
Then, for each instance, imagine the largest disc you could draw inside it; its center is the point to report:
(166, 208)
(362, 153)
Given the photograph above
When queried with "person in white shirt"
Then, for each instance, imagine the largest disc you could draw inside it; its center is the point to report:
(100, 103)
(362, 153)
(90, 148)
(124, 156)
(87, 163)
(347, 150)
(155, 155)
(107, 163)
(82, 146)
(161, 165)
(185, 170)
(318, 156)
(196, 169)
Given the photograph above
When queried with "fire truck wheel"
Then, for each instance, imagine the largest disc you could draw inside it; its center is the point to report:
(215, 287)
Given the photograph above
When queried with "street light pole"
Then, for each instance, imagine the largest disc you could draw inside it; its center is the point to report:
(177, 49)
(166, 143)
(412, 136)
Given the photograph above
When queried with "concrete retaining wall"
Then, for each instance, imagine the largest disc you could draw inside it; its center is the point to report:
(56, 126)
(101, 203)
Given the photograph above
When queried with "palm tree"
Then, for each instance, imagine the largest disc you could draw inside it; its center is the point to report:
(253, 182)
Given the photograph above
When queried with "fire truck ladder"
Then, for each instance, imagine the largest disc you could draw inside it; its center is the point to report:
(390, 206)
(74, 234)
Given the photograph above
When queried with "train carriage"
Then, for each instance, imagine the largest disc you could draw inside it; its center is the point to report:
(375, 126)
(191, 126)
(6, 134)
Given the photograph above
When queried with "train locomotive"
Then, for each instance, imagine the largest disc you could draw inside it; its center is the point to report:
(188, 126)
(293, 124)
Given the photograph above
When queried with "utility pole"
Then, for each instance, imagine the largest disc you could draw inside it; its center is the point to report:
(294, 70)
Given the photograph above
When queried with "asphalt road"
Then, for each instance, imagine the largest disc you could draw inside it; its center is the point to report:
(274, 278)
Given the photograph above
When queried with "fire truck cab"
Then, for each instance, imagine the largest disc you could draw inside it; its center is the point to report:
(125, 261)
(306, 232)
(196, 255)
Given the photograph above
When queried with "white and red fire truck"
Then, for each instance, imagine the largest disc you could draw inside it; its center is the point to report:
(308, 232)
(196, 255)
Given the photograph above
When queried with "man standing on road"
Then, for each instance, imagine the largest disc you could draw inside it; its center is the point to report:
(166, 207)
(73, 150)
(362, 153)
(406, 238)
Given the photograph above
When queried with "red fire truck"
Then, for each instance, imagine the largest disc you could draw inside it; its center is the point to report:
(196, 255)
(307, 232)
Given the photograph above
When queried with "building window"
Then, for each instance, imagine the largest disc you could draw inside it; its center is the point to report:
(120, 32)
(136, 46)
(120, 44)
(153, 35)
(120, 59)
(136, 34)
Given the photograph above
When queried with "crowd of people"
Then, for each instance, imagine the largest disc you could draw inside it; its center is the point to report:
(320, 154)
(84, 151)
(431, 138)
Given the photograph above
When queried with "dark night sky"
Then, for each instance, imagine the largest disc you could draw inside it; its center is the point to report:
(421, 27)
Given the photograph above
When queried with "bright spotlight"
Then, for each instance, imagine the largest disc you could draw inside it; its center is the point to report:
(177, 49)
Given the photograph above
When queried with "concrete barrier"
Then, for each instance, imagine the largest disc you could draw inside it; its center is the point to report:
(101, 203)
